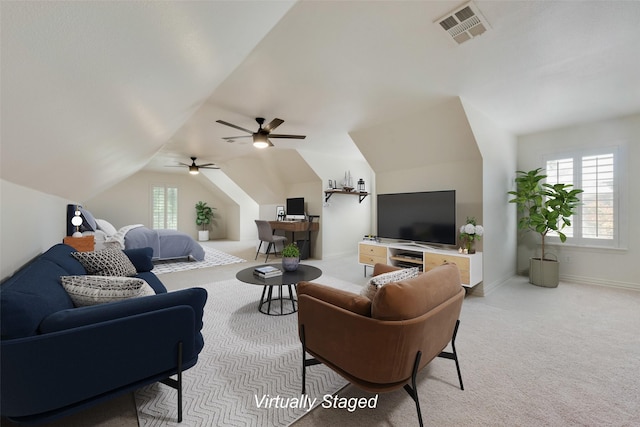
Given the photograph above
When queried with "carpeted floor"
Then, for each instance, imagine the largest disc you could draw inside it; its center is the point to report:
(248, 356)
(530, 356)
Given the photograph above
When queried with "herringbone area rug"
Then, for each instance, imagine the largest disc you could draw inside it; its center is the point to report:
(212, 258)
(247, 355)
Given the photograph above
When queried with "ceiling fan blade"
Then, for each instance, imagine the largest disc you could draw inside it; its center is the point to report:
(271, 135)
(222, 122)
(236, 137)
(206, 164)
(208, 167)
(274, 124)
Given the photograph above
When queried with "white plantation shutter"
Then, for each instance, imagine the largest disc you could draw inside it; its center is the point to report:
(561, 171)
(596, 220)
(598, 210)
(164, 210)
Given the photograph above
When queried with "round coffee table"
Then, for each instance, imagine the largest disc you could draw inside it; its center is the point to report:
(288, 279)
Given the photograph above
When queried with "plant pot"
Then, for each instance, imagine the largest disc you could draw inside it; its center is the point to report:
(544, 273)
(203, 235)
(290, 263)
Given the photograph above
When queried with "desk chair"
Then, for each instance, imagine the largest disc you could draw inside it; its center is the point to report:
(265, 234)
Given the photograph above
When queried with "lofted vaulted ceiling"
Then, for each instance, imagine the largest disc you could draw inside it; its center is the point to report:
(99, 90)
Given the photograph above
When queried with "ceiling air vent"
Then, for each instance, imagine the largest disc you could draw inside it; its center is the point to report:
(464, 23)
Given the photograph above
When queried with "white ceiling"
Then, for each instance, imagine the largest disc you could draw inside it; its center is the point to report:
(97, 89)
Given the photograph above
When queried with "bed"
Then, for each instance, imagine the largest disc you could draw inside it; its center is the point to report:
(166, 244)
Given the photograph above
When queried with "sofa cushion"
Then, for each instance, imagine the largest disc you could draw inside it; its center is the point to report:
(413, 297)
(29, 296)
(60, 254)
(92, 290)
(370, 289)
(338, 297)
(106, 262)
(140, 258)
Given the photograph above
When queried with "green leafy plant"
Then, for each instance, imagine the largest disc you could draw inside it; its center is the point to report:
(204, 214)
(291, 251)
(544, 207)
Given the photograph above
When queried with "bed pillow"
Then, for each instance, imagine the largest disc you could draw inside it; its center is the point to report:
(106, 226)
(92, 290)
(106, 262)
(89, 222)
(369, 290)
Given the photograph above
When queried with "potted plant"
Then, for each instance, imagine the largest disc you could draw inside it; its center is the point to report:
(204, 214)
(544, 208)
(290, 257)
(470, 233)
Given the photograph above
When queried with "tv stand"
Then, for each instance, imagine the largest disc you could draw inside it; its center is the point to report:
(420, 245)
(422, 256)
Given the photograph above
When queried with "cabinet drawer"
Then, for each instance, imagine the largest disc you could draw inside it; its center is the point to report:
(433, 260)
(372, 260)
(373, 250)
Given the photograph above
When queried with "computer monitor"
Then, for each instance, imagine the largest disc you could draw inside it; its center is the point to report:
(295, 208)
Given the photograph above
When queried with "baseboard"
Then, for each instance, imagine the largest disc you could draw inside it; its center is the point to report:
(600, 282)
(484, 289)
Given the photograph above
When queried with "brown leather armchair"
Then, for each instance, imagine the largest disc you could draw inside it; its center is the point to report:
(380, 345)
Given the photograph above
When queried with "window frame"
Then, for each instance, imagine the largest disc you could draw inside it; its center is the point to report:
(619, 193)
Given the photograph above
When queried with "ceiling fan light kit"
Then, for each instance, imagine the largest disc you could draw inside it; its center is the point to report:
(262, 135)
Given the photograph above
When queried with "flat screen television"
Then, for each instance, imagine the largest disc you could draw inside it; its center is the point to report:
(295, 208)
(422, 217)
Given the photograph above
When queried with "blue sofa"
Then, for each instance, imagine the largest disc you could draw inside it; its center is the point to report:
(56, 359)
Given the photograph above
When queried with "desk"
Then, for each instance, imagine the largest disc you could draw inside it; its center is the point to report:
(296, 226)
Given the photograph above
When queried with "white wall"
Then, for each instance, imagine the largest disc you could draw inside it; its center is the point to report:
(614, 267)
(343, 221)
(31, 222)
(498, 149)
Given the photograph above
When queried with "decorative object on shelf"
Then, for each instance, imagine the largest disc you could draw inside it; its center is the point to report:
(76, 221)
(290, 257)
(544, 208)
(204, 215)
(361, 186)
(347, 183)
(469, 233)
(331, 187)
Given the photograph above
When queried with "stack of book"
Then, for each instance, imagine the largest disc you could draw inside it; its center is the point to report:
(267, 271)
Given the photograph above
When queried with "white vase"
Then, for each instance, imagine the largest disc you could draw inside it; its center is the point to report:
(203, 235)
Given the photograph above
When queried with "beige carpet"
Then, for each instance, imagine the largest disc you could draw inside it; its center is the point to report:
(530, 356)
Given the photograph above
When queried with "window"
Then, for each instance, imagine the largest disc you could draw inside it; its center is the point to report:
(596, 221)
(164, 210)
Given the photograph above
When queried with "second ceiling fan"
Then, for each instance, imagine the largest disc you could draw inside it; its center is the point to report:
(262, 135)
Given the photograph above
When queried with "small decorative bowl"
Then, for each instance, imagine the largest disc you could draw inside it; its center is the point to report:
(347, 188)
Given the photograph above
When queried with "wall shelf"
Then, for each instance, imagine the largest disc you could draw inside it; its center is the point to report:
(361, 194)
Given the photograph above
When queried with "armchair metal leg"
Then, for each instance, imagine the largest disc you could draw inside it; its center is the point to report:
(412, 389)
(177, 383)
(453, 355)
(305, 362)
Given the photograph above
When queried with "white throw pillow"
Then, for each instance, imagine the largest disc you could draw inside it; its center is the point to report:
(92, 290)
(370, 289)
(106, 226)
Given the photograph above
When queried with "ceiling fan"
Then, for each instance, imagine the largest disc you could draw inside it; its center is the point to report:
(262, 135)
(193, 168)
